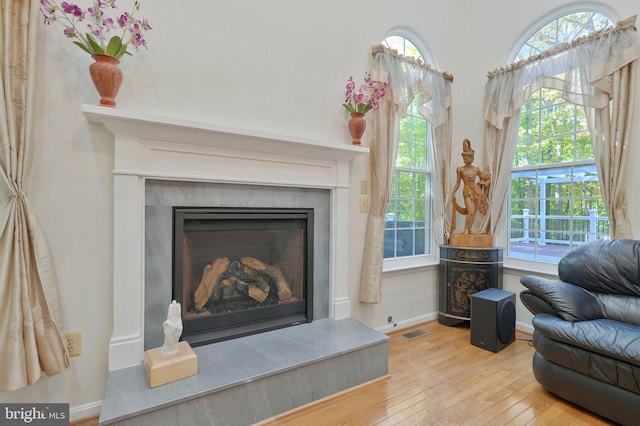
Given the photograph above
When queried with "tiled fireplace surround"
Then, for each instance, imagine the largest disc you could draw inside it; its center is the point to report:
(160, 162)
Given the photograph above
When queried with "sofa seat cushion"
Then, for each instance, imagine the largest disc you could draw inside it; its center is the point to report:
(599, 367)
(606, 337)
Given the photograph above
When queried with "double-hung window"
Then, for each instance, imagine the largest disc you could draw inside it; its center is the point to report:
(408, 217)
(555, 201)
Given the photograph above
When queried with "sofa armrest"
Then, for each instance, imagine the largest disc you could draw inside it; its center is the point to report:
(570, 302)
(536, 305)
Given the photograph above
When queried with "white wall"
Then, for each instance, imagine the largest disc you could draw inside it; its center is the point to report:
(268, 66)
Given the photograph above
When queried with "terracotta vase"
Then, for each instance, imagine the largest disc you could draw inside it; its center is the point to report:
(107, 78)
(357, 124)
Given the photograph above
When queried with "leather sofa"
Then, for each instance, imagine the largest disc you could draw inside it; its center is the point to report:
(587, 328)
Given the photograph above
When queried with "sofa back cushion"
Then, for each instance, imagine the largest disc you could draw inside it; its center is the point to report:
(604, 266)
(619, 307)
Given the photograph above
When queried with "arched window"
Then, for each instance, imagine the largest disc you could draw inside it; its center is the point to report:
(408, 217)
(555, 200)
(562, 29)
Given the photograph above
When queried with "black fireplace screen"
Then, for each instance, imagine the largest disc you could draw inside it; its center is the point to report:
(240, 271)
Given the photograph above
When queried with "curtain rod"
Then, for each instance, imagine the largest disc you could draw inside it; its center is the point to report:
(620, 25)
(380, 48)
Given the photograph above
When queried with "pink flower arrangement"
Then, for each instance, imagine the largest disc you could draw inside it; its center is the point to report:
(365, 97)
(98, 24)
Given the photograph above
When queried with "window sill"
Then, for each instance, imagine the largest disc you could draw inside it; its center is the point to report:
(408, 265)
(517, 266)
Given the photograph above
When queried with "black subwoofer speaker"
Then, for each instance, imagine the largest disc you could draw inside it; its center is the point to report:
(493, 319)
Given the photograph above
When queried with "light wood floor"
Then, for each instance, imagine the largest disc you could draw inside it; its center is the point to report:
(441, 379)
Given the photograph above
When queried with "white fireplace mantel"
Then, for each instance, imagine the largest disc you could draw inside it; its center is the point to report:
(152, 147)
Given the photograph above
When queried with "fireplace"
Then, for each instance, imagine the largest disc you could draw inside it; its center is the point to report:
(161, 162)
(240, 271)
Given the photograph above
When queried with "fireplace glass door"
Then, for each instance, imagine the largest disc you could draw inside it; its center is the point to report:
(242, 271)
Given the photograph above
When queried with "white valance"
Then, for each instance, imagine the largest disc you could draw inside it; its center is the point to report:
(580, 70)
(410, 78)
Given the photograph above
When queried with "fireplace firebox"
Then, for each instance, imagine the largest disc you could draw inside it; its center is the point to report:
(241, 271)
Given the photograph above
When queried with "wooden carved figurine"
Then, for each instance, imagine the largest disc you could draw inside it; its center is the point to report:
(475, 190)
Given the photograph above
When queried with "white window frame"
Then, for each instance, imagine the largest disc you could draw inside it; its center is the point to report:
(417, 261)
(529, 265)
(552, 16)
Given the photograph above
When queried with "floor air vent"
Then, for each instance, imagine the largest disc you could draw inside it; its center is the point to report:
(414, 334)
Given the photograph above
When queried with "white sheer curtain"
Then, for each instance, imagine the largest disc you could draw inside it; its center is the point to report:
(433, 88)
(596, 72)
(30, 308)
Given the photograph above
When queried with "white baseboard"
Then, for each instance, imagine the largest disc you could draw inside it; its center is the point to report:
(407, 323)
(524, 327)
(85, 410)
(521, 326)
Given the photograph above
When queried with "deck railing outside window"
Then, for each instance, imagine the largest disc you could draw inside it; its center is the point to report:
(555, 235)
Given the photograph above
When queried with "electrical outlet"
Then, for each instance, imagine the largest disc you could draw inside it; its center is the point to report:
(390, 320)
(364, 205)
(74, 343)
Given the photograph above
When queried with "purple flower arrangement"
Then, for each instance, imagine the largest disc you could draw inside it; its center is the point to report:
(98, 24)
(367, 96)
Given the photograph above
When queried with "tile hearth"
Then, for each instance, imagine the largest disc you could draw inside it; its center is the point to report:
(253, 378)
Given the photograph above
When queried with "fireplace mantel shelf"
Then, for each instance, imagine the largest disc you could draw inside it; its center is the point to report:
(139, 124)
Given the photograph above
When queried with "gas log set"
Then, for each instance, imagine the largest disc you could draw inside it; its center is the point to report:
(248, 280)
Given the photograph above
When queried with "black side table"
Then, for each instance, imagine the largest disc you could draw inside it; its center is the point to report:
(463, 272)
